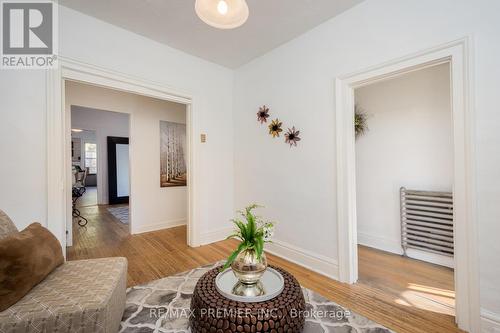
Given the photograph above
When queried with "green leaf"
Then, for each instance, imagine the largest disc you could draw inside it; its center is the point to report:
(233, 256)
(243, 229)
(250, 232)
(250, 225)
(235, 235)
(259, 246)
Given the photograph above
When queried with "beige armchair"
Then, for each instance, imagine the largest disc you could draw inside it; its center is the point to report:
(78, 296)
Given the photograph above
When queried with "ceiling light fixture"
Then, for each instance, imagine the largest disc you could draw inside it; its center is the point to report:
(222, 7)
(76, 130)
(222, 14)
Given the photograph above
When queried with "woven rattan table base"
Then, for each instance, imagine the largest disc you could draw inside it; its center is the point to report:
(214, 313)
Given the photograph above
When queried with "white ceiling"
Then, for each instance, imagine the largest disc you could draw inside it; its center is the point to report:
(174, 22)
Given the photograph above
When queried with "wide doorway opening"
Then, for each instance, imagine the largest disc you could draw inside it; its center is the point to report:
(129, 169)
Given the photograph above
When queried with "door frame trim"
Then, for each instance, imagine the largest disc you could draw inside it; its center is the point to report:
(459, 54)
(59, 136)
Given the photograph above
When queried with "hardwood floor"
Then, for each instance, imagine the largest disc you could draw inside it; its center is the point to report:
(89, 198)
(408, 281)
(162, 253)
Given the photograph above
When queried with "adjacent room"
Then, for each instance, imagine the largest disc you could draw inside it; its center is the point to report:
(129, 158)
(84, 162)
(100, 186)
(404, 182)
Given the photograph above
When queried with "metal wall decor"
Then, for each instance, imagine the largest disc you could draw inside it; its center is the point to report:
(263, 114)
(291, 137)
(275, 128)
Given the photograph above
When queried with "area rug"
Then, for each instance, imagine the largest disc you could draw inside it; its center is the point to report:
(120, 212)
(147, 305)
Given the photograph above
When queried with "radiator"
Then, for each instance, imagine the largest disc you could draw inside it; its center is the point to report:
(427, 221)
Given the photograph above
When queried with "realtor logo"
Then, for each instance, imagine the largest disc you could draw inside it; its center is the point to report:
(28, 34)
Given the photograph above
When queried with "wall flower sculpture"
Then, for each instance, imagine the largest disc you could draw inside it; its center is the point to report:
(275, 128)
(263, 114)
(292, 136)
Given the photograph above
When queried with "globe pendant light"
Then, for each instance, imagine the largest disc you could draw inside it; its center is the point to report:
(222, 14)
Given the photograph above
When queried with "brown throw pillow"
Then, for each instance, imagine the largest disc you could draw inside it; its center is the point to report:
(26, 258)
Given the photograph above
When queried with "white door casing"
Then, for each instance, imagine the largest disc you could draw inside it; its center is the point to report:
(458, 54)
(59, 138)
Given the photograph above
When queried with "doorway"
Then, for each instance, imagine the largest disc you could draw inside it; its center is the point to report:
(133, 196)
(58, 137)
(465, 260)
(84, 161)
(404, 182)
(97, 215)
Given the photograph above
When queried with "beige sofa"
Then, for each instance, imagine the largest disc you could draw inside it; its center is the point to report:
(78, 296)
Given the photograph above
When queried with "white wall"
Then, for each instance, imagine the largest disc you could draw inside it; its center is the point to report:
(409, 143)
(23, 168)
(23, 190)
(151, 206)
(297, 81)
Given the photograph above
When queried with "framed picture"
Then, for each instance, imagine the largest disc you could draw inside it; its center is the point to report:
(173, 171)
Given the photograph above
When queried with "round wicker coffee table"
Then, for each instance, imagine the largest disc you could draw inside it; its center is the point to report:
(214, 313)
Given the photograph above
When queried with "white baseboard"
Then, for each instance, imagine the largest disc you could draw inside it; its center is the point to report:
(215, 236)
(381, 243)
(433, 258)
(313, 261)
(158, 226)
(490, 322)
(394, 246)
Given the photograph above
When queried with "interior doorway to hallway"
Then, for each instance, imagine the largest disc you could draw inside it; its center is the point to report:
(141, 160)
(101, 179)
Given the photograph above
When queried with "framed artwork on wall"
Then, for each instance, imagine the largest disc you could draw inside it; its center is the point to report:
(173, 171)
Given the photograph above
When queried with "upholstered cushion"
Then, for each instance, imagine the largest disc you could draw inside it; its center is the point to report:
(6, 226)
(79, 296)
(26, 258)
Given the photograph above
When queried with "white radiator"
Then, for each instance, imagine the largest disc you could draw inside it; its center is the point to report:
(427, 221)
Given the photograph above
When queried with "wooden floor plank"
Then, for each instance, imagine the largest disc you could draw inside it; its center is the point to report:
(383, 293)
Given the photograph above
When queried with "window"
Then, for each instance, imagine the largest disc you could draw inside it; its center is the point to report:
(91, 157)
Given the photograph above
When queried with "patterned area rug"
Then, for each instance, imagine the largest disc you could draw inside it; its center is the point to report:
(121, 213)
(163, 306)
